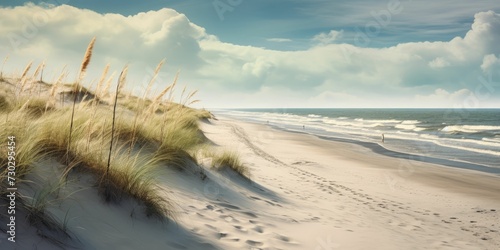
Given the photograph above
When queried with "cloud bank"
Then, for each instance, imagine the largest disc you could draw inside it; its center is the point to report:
(328, 74)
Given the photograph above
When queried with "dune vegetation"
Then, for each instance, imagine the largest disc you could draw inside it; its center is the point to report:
(122, 141)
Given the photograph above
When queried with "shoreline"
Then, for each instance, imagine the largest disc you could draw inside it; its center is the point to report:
(349, 191)
(379, 149)
(403, 168)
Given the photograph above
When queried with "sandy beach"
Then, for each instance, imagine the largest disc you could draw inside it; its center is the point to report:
(260, 125)
(303, 192)
(308, 193)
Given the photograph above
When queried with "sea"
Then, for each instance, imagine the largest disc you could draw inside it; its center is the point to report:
(461, 138)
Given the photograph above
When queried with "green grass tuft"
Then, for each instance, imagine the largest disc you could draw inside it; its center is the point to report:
(231, 160)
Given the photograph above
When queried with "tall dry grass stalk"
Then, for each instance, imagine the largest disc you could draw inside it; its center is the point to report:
(23, 78)
(141, 102)
(101, 80)
(34, 77)
(83, 69)
(38, 70)
(86, 60)
(158, 99)
(150, 84)
(106, 88)
(55, 86)
(3, 64)
(41, 73)
(121, 81)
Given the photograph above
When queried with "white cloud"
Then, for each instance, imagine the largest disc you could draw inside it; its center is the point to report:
(279, 40)
(439, 63)
(327, 38)
(443, 98)
(341, 72)
(490, 62)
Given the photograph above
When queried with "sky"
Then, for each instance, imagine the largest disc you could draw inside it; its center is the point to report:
(272, 54)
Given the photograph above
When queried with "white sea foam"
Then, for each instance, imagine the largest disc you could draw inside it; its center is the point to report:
(362, 129)
(406, 126)
(470, 128)
(313, 116)
(410, 122)
(463, 146)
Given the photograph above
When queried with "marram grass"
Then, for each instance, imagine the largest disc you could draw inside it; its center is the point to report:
(121, 146)
(229, 160)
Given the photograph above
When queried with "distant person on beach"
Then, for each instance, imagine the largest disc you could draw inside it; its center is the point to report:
(303, 126)
(383, 138)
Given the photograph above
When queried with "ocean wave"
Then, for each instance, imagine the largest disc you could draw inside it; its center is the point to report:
(463, 146)
(495, 139)
(405, 126)
(378, 121)
(470, 128)
(313, 116)
(347, 123)
(410, 122)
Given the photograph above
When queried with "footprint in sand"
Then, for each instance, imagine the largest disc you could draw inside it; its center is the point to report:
(240, 228)
(228, 206)
(258, 229)
(250, 214)
(228, 218)
(282, 238)
(254, 243)
(211, 227)
(222, 235)
(255, 198)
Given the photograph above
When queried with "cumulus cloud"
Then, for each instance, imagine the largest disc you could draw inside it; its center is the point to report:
(61, 33)
(433, 70)
(279, 40)
(490, 62)
(327, 38)
(443, 98)
(439, 63)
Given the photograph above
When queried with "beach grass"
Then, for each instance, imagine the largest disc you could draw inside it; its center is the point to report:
(229, 160)
(122, 148)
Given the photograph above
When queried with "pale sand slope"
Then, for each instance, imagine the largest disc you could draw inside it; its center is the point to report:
(306, 193)
(310, 193)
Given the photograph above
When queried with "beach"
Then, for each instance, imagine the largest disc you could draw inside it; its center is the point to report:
(301, 192)
(310, 193)
(312, 125)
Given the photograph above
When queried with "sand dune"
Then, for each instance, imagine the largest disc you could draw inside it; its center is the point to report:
(303, 193)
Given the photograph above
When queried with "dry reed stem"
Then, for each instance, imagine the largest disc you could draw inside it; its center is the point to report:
(83, 69)
(157, 100)
(23, 76)
(54, 88)
(3, 64)
(120, 79)
(25, 71)
(150, 84)
(105, 91)
(123, 79)
(102, 79)
(86, 60)
(37, 70)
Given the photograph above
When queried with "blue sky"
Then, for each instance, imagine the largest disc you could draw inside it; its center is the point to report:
(254, 22)
(280, 53)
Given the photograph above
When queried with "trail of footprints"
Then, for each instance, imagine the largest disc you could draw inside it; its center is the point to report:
(393, 207)
(245, 226)
(374, 203)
